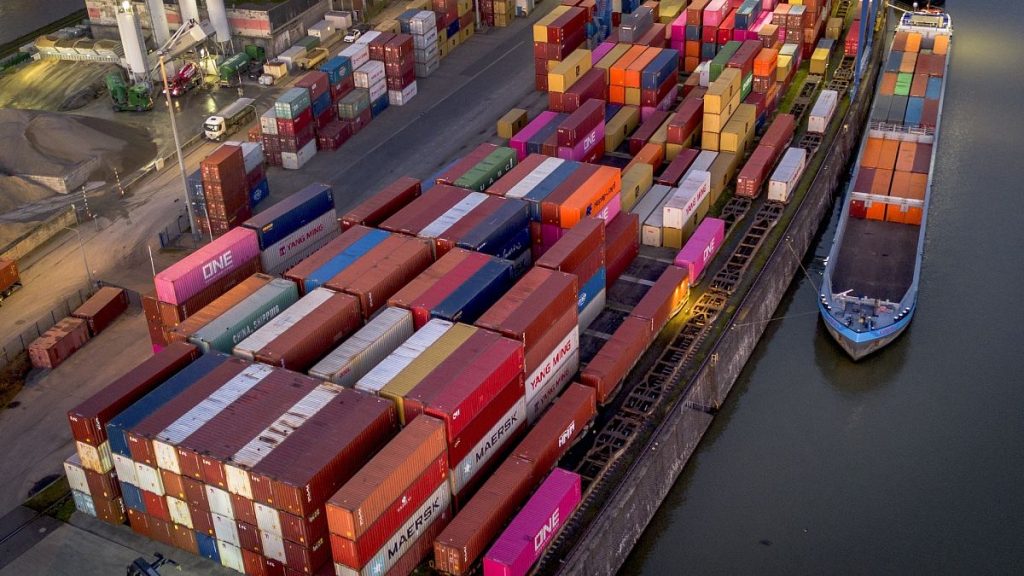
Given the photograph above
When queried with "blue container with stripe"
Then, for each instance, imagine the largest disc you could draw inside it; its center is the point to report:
(132, 497)
(547, 186)
(478, 293)
(259, 192)
(207, 547)
(344, 259)
(278, 221)
(934, 91)
(379, 105)
(664, 65)
(591, 288)
(337, 68)
(453, 28)
(429, 182)
(493, 234)
(533, 145)
(322, 103)
(692, 33)
(915, 106)
(160, 395)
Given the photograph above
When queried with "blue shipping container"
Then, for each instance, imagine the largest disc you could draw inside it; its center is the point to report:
(664, 65)
(708, 50)
(278, 221)
(259, 192)
(893, 63)
(515, 246)
(934, 91)
(495, 231)
(337, 68)
(428, 183)
(693, 33)
(533, 145)
(915, 106)
(453, 28)
(547, 186)
(158, 397)
(344, 259)
(379, 105)
(522, 264)
(322, 103)
(132, 497)
(610, 110)
(747, 14)
(591, 288)
(478, 293)
(207, 547)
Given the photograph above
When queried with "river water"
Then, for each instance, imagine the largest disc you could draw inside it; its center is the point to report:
(18, 17)
(912, 461)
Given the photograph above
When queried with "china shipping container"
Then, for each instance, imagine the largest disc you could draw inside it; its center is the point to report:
(102, 308)
(218, 307)
(243, 319)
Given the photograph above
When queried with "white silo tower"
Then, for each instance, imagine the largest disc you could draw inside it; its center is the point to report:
(189, 10)
(219, 19)
(158, 15)
(132, 41)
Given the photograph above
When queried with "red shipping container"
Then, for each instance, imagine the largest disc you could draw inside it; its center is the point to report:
(102, 308)
(224, 164)
(258, 565)
(579, 252)
(316, 82)
(675, 170)
(616, 358)
(564, 422)
(110, 510)
(622, 244)
(437, 282)
(646, 130)
(339, 90)
(307, 559)
(590, 86)
(161, 530)
(58, 343)
(195, 496)
(456, 170)
(376, 46)
(744, 57)
(382, 272)
(295, 126)
(751, 178)
(516, 174)
(249, 537)
(383, 204)
(88, 420)
(779, 134)
(580, 123)
(459, 446)
(174, 484)
(303, 529)
(400, 81)
(156, 505)
(102, 485)
(301, 345)
(424, 210)
(663, 299)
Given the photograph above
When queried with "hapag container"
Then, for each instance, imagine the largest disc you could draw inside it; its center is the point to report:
(58, 343)
(218, 307)
(282, 219)
(366, 348)
(100, 310)
(665, 297)
(88, 420)
(536, 525)
(240, 321)
(382, 272)
(305, 332)
(588, 198)
(205, 266)
(335, 257)
(383, 204)
(364, 498)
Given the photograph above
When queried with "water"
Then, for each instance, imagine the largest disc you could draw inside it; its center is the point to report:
(912, 461)
(20, 17)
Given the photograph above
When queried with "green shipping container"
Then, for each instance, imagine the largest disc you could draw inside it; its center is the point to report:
(244, 318)
(487, 172)
(353, 103)
(309, 42)
(903, 82)
(747, 86)
(722, 58)
(256, 53)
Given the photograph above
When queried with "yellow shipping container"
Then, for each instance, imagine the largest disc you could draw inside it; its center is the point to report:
(670, 10)
(746, 112)
(715, 122)
(620, 127)
(722, 171)
(466, 33)
(465, 7)
(819, 61)
(796, 2)
(633, 96)
(568, 71)
(834, 28)
(736, 135)
(512, 122)
(782, 68)
(671, 237)
(733, 77)
(709, 141)
(635, 183)
(540, 29)
(610, 58)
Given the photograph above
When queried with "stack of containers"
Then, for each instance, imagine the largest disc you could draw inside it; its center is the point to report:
(270, 138)
(372, 77)
(187, 286)
(635, 25)
(686, 207)
(255, 177)
(334, 134)
(590, 86)
(581, 253)
(94, 471)
(295, 131)
(773, 143)
(765, 70)
(720, 101)
(398, 500)
(422, 25)
(380, 206)
(540, 312)
(712, 18)
(346, 364)
(400, 69)
(530, 139)
(622, 245)
(459, 287)
(248, 454)
(562, 75)
(318, 83)
(224, 185)
(589, 191)
(294, 228)
(480, 520)
(580, 136)
(738, 132)
(747, 16)
(555, 36)
(686, 35)
(337, 255)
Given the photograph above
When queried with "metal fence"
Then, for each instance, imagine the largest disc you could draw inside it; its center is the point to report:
(20, 342)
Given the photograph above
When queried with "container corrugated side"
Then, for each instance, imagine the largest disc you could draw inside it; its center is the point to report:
(384, 203)
(366, 348)
(301, 243)
(489, 450)
(381, 374)
(205, 266)
(382, 272)
(305, 306)
(313, 336)
(214, 310)
(282, 219)
(243, 319)
(334, 257)
(559, 428)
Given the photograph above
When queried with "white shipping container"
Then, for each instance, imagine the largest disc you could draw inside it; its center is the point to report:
(685, 199)
(220, 504)
(95, 458)
(298, 245)
(536, 381)
(428, 55)
(425, 69)
(403, 96)
(149, 479)
(389, 368)
(357, 355)
(651, 201)
(323, 30)
(704, 160)
(341, 19)
(445, 221)
(423, 22)
(295, 161)
(369, 74)
(267, 519)
(651, 233)
(268, 122)
(556, 383)
(230, 555)
(84, 503)
(271, 330)
(534, 178)
(429, 38)
(822, 111)
(359, 54)
(488, 446)
(252, 155)
(273, 546)
(377, 90)
(591, 311)
(76, 474)
(179, 511)
(125, 468)
(787, 174)
(289, 56)
(368, 37)
(704, 73)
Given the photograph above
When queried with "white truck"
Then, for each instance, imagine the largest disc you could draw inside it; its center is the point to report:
(230, 119)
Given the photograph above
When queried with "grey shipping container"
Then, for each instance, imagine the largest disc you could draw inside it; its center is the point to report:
(244, 318)
(366, 348)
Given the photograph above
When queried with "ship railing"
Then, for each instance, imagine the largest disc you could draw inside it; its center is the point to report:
(914, 133)
(879, 199)
(860, 301)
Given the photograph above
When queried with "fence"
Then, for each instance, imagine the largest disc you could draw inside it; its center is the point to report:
(20, 343)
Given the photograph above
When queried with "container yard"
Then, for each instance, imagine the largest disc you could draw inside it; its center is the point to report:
(464, 372)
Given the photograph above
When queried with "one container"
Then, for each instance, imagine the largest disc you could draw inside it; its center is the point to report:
(366, 348)
(701, 248)
(100, 310)
(541, 518)
(189, 276)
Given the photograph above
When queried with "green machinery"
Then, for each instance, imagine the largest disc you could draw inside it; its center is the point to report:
(134, 98)
(231, 69)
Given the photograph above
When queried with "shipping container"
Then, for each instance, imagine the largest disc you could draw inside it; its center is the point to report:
(387, 370)
(102, 308)
(335, 257)
(822, 111)
(282, 219)
(552, 374)
(58, 343)
(204, 267)
(492, 438)
(701, 248)
(579, 252)
(536, 525)
(622, 245)
(383, 204)
(665, 297)
(218, 307)
(383, 271)
(786, 176)
(305, 332)
(616, 358)
(244, 318)
(366, 348)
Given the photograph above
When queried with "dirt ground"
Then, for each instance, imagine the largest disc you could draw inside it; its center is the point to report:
(54, 85)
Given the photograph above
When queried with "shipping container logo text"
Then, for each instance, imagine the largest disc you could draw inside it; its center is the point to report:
(223, 262)
(546, 532)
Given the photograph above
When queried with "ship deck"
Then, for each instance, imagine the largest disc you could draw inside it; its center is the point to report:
(876, 259)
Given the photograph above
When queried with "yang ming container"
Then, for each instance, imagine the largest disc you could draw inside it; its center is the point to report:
(282, 219)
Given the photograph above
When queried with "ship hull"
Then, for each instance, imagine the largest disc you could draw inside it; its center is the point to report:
(859, 345)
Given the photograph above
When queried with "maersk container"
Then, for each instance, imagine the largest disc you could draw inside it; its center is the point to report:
(477, 293)
(366, 348)
(244, 318)
(382, 374)
(204, 267)
(701, 248)
(157, 398)
(536, 525)
(505, 430)
(280, 220)
(301, 243)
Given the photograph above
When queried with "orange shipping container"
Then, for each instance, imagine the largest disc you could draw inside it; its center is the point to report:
(765, 62)
(651, 153)
(918, 185)
(919, 87)
(940, 48)
(913, 42)
(913, 216)
(592, 197)
(894, 213)
(900, 187)
(637, 66)
(908, 63)
(905, 159)
(889, 83)
(880, 185)
(872, 152)
(618, 70)
(691, 49)
(887, 159)
(617, 94)
(876, 211)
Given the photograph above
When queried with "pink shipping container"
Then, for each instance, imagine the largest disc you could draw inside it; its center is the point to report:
(581, 152)
(601, 51)
(701, 247)
(526, 538)
(186, 278)
(518, 142)
(714, 13)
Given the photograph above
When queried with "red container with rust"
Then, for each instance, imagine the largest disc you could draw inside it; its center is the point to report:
(304, 343)
(616, 358)
(686, 120)
(382, 272)
(102, 308)
(584, 119)
(383, 204)
(564, 422)
(675, 170)
(58, 343)
(424, 210)
(622, 245)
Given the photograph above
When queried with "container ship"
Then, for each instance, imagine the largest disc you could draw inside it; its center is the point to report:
(870, 286)
(462, 368)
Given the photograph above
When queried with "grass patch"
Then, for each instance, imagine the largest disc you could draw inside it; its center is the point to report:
(55, 500)
(12, 378)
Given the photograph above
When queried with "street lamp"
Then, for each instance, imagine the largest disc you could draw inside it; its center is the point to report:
(177, 148)
(81, 247)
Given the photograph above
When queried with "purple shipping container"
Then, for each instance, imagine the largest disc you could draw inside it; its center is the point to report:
(186, 278)
(701, 247)
(518, 142)
(526, 538)
(601, 51)
(585, 146)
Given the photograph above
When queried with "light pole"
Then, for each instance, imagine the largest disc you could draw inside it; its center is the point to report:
(81, 247)
(177, 149)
